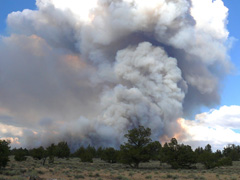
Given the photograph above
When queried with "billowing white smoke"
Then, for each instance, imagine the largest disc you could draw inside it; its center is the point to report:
(147, 91)
(149, 62)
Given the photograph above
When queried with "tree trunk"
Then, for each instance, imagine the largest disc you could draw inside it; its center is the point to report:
(44, 160)
(136, 165)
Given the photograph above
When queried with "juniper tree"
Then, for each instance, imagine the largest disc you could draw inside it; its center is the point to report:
(136, 150)
(4, 153)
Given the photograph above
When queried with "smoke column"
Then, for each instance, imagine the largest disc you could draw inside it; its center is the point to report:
(141, 62)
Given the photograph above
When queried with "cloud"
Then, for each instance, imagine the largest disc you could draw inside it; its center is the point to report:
(216, 127)
(87, 72)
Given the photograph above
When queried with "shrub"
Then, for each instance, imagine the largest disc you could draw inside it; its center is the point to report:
(148, 177)
(225, 162)
(79, 176)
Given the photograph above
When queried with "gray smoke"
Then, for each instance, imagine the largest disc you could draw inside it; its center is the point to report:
(130, 63)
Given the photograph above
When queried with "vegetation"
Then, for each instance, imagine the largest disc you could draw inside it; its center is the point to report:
(75, 169)
(109, 155)
(39, 154)
(178, 155)
(62, 150)
(4, 153)
(86, 155)
(210, 159)
(20, 154)
(51, 152)
(232, 151)
(137, 149)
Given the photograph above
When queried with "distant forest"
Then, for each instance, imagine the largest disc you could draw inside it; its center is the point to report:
(139, 148)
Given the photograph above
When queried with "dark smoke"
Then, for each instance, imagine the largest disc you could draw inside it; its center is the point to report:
(131, 63)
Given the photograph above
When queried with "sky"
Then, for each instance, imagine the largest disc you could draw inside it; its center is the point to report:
(232, 87)
(59, 79)
(10, 6)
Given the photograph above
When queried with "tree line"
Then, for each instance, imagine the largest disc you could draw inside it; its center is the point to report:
(138, 148)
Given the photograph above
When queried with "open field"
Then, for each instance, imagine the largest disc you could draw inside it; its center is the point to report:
(72, 169)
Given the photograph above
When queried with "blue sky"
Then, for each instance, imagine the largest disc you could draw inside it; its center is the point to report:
(8, 6)
(231, 87)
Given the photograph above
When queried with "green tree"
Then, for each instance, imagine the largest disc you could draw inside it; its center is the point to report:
(39, 154)
(208, 148)
(155, 150)
(109, 155)
(225, 161)
(99, 152)
(25, 151)
(91, 150)
(85, 155)
(219, 154)
(178, 155)
(208, 158)
(136, 150)
(232, 151)
(4, 153)
(199, 151)
(20, 154)
(211, 160)
(51, 152)
(79, 152)
(62, 150)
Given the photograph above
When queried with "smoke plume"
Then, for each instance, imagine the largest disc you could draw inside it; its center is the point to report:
(86, 72)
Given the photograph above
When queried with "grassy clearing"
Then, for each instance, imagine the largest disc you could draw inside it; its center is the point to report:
(71, 169)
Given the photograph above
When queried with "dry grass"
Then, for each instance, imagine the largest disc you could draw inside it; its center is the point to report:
(72, 169)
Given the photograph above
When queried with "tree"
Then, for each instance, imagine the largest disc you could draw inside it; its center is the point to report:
(211, 160)
(208, 158)
(178, 155)
(99, 152)
(84, 154)
(15, 150)
(39, 153)
(155, 149)
(109, 155)
(20, 154)
(208, 148)
(136, 150)
(4, 153)
(86, 157)
(79, 152)
(219, 154)
(62, 150)
(92, 150)
(232, 151)
(199, 151)
(51, 152)
(225, 161)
